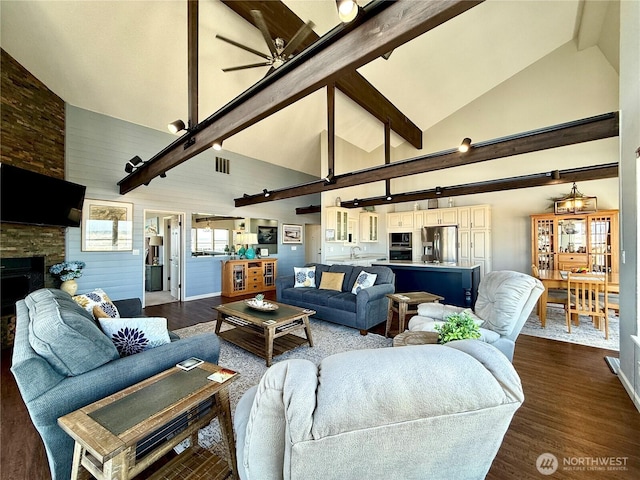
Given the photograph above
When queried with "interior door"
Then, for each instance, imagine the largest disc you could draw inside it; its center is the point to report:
(312, 244)
(175, 278)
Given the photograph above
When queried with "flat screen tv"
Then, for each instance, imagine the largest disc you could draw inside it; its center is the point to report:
(36, 199)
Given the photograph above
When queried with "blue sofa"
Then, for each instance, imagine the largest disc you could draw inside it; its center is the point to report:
(80, 365)
(365, 310)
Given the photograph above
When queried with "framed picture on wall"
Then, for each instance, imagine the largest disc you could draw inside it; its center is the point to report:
(107, 226)
(291, 233)
(267, 235)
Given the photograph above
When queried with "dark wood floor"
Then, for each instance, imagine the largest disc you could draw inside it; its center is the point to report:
(574, 408)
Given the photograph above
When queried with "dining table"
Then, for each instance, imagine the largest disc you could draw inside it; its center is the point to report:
(559, 279)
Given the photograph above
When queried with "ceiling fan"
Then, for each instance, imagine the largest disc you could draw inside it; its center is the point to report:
(281, 51)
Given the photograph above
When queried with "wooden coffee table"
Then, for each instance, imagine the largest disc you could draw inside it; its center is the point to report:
(123, 434)
(264, 333)
(401, 303)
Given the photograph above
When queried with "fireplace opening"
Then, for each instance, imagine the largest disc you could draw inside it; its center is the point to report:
(18, 278)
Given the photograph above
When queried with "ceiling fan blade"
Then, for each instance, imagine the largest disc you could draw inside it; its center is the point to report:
(244, 47)
(262, 26)
(297, 39)
(243, 67)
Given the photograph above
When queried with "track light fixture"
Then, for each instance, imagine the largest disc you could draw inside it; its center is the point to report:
(465, 145)
(176, 126)
(217, 145)
(132, 164)
(266, 192)
(347, 10)
(163, 175)
(329, 177)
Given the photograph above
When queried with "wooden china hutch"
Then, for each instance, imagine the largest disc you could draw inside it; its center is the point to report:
(566, 242)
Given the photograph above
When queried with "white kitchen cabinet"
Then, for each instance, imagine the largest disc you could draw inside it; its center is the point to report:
(474, 236)
(400, 221)
(368, 227)
(440, 216)
(337, 219)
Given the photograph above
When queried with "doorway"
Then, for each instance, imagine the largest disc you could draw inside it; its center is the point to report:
(312, 243)
(164, 257)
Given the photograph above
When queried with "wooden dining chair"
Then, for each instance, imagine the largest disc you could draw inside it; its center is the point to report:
(554, 295)
(586, 295)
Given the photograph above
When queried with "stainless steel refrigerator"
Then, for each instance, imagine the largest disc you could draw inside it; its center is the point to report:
(440, 244)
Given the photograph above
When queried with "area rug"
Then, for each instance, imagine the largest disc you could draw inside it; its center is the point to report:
(584, 334)
(328, 338)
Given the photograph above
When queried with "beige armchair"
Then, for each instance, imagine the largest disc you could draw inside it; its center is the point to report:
(505, 301)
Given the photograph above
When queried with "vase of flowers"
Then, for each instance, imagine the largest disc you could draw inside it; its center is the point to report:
(67, 272)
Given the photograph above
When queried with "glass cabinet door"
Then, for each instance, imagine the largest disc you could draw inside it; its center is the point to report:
(600, 243)
(572, 235)
(544, 229)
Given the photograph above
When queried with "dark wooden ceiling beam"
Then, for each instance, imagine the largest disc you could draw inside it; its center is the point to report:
(192, 61)
(309, 209)
(284, 23)
(383, 27)
(596, 172)
(579, 131)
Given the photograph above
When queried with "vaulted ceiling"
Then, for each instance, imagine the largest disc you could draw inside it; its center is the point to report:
(128, 60)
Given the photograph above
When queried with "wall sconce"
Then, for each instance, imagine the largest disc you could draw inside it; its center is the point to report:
(132, 164)
(389, 197)
(465, 145)
(266, 192)
(356, 202)
(438, 190)
(176, 126)
(217, 145)
(347, 10)
(575, 202)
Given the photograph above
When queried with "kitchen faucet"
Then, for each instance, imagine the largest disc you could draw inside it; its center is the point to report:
(353, 251)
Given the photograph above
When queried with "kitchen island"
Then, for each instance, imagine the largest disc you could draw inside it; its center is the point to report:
(457, 283)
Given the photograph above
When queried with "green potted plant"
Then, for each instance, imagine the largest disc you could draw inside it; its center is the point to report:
(457, 326)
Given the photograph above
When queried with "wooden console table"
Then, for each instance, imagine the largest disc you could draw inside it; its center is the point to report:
(246, 277)
(123, 434)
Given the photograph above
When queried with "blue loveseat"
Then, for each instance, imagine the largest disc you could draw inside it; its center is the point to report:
(79, 365)
(363, 310)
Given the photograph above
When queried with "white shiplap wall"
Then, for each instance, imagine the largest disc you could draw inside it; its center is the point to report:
(97, 148)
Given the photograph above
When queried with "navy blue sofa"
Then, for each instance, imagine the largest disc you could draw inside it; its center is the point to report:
(362, 311)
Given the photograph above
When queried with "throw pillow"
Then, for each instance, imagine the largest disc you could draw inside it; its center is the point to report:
(99, 298)
(332, 281)
(99, 313)
(65, 335)
(134, 335)
(304, 276)
(364, 280)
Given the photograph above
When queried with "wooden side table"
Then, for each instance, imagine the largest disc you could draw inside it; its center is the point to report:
(404, 303)
(123, 434)
(415, 338)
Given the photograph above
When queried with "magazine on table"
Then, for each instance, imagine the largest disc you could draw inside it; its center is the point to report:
(222, 375)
